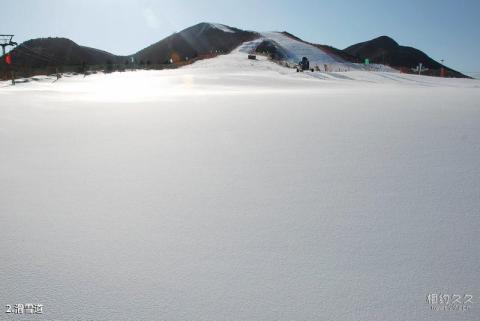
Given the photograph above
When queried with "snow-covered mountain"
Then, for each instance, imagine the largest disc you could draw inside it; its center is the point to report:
(297, 49)
(288, 48)
(385, 50)
(206, 40)
(201, 40)
(236, 189)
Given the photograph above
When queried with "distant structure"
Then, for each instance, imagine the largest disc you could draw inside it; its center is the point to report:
(304, 64)
(420, 68)
(5, 41)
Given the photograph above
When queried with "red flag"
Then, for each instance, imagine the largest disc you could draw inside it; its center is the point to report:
(8, 59)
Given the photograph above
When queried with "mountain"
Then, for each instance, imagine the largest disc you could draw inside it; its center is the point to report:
(385, 50)
(43, 52)
(205, 40)
(199, 40)
(332, 51)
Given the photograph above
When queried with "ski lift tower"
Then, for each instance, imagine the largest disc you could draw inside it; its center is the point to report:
(5, 41)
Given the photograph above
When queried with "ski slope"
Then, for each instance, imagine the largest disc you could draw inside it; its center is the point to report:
(234, 189)
(222, 27)
(296, 49)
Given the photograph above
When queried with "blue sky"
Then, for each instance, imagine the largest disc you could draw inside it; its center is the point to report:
(447, 30)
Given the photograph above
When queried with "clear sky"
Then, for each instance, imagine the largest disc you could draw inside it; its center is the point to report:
(444, 29)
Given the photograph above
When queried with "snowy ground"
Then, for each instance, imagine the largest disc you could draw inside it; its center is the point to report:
(295, 50)
(240, 190)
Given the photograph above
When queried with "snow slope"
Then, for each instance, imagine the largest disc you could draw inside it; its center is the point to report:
(219, 26)
(234, 189)
(296, 49)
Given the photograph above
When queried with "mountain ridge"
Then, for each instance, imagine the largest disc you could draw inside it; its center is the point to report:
(385, 50)
(205, 40)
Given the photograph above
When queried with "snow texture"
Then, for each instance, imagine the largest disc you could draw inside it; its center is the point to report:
(234, 189)
(297, 49)
(221, 27)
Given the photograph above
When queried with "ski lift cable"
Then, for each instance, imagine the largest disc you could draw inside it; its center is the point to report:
(36, 56)
(32, 49)
(39, 54)
(27, 50)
